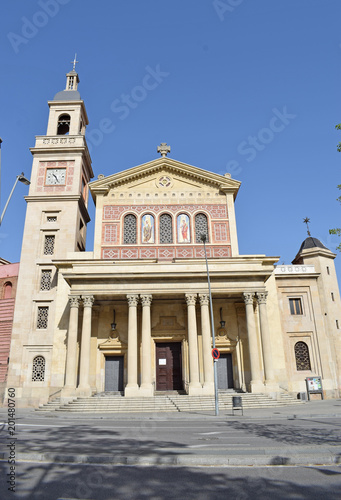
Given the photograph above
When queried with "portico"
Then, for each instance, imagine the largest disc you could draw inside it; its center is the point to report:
(172, 308)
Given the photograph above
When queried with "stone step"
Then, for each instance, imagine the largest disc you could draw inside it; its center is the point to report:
(109, 403)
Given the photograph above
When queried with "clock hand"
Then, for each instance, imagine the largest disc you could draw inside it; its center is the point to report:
(54, 175)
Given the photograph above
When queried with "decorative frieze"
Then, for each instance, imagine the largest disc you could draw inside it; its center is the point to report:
(114, 212)
(166, 253)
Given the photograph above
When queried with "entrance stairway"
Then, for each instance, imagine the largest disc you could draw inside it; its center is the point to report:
(116, 403)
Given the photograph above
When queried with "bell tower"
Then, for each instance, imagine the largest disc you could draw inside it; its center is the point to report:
(55, 225)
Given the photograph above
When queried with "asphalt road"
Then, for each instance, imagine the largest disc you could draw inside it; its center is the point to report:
(38, 481)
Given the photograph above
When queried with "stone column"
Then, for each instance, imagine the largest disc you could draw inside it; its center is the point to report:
(132, 388)
(146, 380)
(69, 390)
(195, 387)
(256, 378)
(84, 388)
(266, 345)
(208, 387)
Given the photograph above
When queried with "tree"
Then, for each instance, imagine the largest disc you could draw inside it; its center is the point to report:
(337, 230)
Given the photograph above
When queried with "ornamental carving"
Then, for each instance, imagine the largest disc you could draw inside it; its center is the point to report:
(248, 297)
(74, 300)
(261, 297)
(88, 300)
(133, 300)
(146, 300)
(203, 299)
(191, 299)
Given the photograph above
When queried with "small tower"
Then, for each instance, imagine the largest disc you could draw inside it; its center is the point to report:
(55, 225)
(313, 252)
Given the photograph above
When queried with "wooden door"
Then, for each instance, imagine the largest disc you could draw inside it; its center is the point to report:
(114, 366)
(225, 371)
(168, 366)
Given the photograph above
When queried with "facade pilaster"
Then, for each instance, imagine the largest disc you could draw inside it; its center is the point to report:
(84, 388)
(195, 387)
(208, 387)
(146, 388)
(255, 361)
(132, 388)
(69, 390)
(266, 345)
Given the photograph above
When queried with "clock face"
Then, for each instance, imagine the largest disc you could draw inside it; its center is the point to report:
(55, 176)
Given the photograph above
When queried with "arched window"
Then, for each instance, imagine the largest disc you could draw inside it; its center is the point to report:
(7, 294)
(38, 370)
(166, 229)
(201, 227)
(63, 124)
(183, 228)
(302, 356)
(147, 229)
(129, 229)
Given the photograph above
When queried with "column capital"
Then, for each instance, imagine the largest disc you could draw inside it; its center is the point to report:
(146, 300)
(88, 300)
(203, 299)
(74, 300)
(261, 297)
(248, 297)
(191, 298)
(133, 299)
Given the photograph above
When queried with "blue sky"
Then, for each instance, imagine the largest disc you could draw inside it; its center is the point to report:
(240, 86)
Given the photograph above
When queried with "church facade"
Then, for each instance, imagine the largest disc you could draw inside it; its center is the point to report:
(133, 315)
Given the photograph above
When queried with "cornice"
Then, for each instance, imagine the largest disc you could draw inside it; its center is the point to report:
(102, 186)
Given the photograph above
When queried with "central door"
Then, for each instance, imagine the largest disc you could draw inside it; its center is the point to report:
(225, 371)
(168, 366)
(114, 366)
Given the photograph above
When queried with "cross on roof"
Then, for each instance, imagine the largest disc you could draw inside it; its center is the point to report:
(163, 149)
(74, 62)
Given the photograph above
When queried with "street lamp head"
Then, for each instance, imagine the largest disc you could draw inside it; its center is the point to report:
(0, 142)
(23, 179)
(203, 238)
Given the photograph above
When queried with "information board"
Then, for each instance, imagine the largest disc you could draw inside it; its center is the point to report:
(314, 386)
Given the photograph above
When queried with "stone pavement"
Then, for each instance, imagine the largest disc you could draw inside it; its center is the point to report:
(305, 434)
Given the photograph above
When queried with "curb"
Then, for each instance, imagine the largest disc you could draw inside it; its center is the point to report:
(262, 459)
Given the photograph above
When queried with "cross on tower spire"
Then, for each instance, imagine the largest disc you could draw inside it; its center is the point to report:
(74, 62)
(163, 149)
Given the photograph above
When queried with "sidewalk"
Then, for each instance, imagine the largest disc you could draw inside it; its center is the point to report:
(305, 434)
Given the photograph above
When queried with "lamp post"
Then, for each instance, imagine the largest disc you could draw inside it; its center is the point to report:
(20, 178)
(216, 400)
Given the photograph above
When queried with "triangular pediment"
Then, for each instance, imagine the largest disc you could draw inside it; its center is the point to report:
(148, 174)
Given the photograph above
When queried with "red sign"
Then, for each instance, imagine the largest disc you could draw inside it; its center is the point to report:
(215, 353)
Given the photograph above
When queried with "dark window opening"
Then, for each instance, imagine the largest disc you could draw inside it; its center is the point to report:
(295, 306)
(63, 125)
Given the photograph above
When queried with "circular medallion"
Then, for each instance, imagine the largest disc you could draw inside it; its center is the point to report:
(164, 181)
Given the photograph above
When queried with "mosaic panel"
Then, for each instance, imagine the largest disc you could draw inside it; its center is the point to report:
(110, 233)
(220, 232)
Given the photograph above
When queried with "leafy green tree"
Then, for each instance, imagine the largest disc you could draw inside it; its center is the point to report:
(337, 230)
